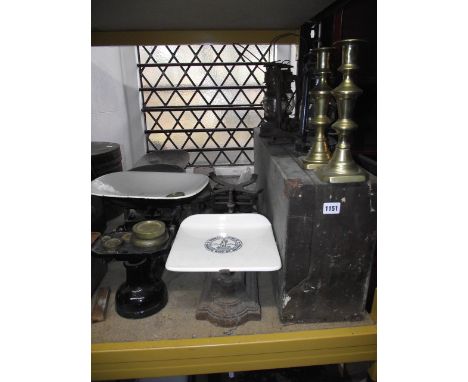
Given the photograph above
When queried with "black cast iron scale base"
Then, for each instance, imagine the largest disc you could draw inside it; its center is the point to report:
(229, 299)
(143, 293)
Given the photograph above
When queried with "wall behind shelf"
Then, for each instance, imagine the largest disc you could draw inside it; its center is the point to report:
(115, 101)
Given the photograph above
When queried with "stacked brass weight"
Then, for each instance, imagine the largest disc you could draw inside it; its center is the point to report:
(342, 168)
(149, 234)
(320, 95)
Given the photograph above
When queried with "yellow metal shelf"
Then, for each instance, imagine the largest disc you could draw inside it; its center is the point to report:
(130, 355)
(233, 353)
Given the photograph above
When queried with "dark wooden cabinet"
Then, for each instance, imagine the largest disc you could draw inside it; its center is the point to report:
(326, 256)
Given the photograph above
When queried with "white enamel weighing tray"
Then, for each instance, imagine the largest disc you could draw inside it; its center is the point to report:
(215, 242)
(149, 185)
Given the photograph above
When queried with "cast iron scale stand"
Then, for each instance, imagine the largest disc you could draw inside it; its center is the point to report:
(230, 197)
(227, 248)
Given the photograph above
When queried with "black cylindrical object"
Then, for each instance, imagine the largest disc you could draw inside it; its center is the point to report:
(105, 158)
(141, 295)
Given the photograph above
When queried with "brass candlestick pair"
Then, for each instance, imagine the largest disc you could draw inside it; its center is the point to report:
(341, 168)
(320, 95)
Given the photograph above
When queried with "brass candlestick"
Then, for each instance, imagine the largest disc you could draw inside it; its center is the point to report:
(342, 168)
(319, 153)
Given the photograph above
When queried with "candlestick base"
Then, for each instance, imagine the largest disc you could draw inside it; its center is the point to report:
(333, 175)
(308, 165)
(318, 156)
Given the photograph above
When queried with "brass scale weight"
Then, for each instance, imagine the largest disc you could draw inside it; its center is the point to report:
(341, 168)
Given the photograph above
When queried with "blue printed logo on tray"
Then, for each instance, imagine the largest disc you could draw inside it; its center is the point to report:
(223, 244)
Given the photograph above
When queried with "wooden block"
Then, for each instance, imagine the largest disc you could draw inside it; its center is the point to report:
(98, 313)
(94, 236)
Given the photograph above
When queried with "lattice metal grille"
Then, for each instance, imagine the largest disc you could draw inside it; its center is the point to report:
(205, 99)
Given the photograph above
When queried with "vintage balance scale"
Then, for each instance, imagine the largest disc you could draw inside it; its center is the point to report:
(229, 247)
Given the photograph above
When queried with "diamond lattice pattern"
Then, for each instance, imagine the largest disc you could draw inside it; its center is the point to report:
(205, 99)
